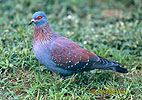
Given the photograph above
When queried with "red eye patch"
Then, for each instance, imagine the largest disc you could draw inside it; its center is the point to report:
(38, 18)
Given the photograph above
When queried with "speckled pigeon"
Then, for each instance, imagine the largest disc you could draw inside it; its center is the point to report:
(62, 55)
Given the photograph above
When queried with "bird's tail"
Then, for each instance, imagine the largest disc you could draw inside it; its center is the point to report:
(109, 65)
(118, 69)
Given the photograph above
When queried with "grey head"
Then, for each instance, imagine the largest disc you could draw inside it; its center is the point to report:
(39, 18)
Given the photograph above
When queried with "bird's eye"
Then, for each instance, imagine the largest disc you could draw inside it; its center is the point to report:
(38, 18)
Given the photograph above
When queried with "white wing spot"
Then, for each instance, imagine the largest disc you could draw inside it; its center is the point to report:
(76, 63)
(80, 57)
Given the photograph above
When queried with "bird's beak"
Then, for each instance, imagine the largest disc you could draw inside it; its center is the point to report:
(31, 21)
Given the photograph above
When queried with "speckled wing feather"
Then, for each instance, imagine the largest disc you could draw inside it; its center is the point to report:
(68, 55)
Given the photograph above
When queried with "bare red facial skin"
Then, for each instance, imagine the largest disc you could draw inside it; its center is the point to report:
(38, 18)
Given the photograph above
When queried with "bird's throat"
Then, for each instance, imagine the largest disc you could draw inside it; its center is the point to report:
(43, 33)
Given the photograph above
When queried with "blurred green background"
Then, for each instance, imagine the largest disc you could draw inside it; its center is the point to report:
(109, 28)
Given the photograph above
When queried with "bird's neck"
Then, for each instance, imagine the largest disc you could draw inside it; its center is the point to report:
(43, 33)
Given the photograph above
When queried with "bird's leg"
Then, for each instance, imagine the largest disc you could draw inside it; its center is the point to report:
(61, 78)
(54, 75)
(75, 80)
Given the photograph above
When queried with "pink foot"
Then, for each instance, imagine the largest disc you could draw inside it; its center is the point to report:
(75, 80)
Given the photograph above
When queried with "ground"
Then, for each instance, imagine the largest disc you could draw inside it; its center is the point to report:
(110, 28)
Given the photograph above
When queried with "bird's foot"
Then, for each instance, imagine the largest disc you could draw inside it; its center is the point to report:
(75, 80)
(54, 75)
(61, 79)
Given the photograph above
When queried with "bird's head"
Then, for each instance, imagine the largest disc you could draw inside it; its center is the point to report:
(39, 18)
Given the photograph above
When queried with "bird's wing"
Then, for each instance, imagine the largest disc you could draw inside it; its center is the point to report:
(68, 55)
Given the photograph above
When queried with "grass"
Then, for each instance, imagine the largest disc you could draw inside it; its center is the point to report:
(110, 28)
